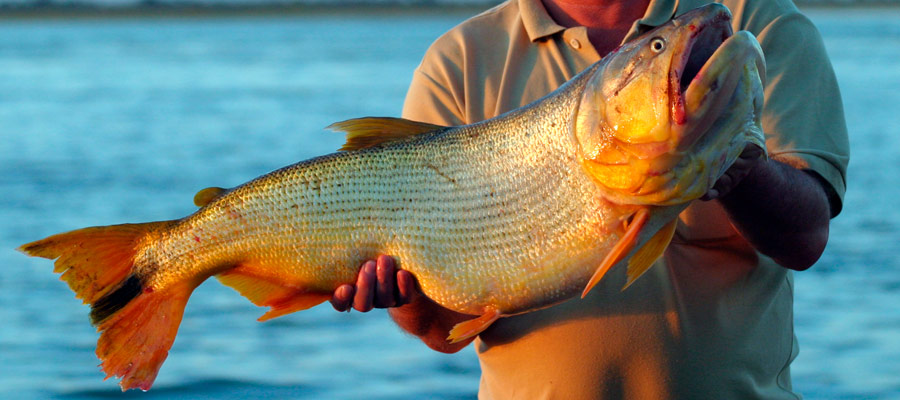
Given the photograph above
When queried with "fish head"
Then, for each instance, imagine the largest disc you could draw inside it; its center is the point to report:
(662, 117)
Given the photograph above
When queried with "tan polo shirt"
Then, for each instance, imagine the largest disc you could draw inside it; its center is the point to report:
(716, 320)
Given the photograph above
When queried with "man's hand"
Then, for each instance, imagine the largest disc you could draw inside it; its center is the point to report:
(750, 157)
(378, 285)
(381, 285)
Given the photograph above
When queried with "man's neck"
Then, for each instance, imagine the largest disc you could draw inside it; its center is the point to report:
(607, 21)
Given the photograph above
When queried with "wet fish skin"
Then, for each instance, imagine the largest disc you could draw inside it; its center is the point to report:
(496, 218)
(462, 221)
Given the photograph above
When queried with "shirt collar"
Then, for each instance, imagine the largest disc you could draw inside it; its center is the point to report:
(538, 23)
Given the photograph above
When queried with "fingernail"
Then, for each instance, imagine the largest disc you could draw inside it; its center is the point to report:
(369, 268)
(387, 260)
(382, 268)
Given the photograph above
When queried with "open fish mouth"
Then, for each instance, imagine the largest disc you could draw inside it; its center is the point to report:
(709, 28)
(704, 40)
(709, 70)
(717, 81)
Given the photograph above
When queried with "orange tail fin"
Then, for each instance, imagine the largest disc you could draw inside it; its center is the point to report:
(137, 324)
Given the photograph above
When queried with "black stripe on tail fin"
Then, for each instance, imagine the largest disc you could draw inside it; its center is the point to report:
(116, 299)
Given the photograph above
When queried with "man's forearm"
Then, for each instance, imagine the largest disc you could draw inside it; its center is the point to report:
(783, 212)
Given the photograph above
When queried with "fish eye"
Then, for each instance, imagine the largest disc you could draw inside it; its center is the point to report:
(657, 44)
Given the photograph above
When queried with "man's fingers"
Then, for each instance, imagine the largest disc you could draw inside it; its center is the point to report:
(365, 287)
(342, 298)
(745, 162)
(379, 284)
(723, 185)
(751, 152)
(737, 172)
(406, 287)
(712, 194)
(384, 291)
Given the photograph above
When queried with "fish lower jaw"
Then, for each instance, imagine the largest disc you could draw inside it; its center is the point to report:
(710, 93)
(720, 73)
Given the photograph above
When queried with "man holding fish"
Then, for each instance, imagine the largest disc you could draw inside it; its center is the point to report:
(715, 320)
(498, 223)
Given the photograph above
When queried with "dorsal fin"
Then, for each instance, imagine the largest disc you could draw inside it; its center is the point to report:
(371, 131)
(207, 195)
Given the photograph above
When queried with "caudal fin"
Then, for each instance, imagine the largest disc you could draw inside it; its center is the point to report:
(137, 324)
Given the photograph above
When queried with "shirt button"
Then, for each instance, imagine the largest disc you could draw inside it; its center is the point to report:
(575, 44)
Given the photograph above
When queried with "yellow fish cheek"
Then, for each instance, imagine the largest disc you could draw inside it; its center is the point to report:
(625, 178)
(640, 113)
(657, 185)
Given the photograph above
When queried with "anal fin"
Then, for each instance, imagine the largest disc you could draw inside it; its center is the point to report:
(620, 250)
(293, 303)
(268, 290)
(468, 329)
(644, 258)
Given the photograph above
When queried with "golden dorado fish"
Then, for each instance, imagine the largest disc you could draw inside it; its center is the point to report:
(496, 218)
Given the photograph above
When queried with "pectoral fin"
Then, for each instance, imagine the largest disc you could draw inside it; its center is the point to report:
(644, 258)
(371, 131)
(621, 249)
(467, 329)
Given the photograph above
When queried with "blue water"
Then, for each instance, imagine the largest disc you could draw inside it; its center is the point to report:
(108, 121)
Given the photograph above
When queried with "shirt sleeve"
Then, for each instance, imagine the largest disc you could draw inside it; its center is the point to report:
(431, 100)
(803, 116)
